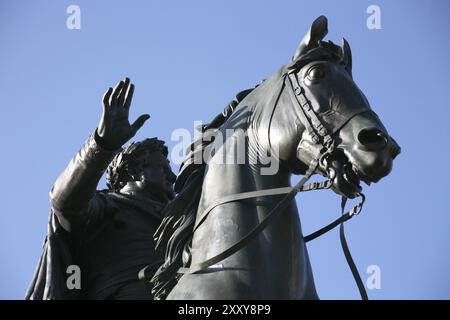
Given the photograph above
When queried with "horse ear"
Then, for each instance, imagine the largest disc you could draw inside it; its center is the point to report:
(317, 31)
(346, 55)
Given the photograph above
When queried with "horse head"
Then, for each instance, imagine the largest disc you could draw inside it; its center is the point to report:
(321, 113)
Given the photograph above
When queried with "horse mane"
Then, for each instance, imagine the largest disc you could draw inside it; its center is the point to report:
(176, 230)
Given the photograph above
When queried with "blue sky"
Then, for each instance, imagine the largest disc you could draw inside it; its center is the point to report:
(187, 60)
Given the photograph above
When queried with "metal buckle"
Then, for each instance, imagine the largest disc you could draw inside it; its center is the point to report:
(322, 130)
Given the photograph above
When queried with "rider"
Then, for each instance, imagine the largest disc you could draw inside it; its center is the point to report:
(107, 234)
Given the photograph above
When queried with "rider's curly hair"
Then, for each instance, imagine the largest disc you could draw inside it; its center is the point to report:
(126, 164)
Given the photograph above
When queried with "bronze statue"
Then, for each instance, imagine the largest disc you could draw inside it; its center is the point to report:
(107, 233)
(220, 234)
(233, 230)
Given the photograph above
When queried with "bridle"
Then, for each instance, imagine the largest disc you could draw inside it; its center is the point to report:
(317, 144)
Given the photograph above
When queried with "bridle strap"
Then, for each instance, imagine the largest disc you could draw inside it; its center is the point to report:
(343, 218)
(302, 115)
(290, 195)
(307, 114)
(279, 207)
(259, 193)
(348, 255)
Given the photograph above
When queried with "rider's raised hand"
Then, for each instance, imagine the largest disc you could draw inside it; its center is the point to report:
(114, 128)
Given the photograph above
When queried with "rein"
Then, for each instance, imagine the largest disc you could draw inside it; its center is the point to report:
(321, 145)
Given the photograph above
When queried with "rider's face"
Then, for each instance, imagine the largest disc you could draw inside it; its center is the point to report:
(157, 174)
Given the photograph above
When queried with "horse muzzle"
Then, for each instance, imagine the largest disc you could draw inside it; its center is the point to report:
(372, 156)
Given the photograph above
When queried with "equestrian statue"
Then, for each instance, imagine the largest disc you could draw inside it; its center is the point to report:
(233, 230)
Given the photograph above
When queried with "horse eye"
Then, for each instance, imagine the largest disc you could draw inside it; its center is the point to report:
(316, 73)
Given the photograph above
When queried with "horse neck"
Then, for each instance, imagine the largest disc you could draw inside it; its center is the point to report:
(243, 160)
(229, 223)
(279, 248)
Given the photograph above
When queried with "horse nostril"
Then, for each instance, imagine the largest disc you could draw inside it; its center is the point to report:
(373, 139)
